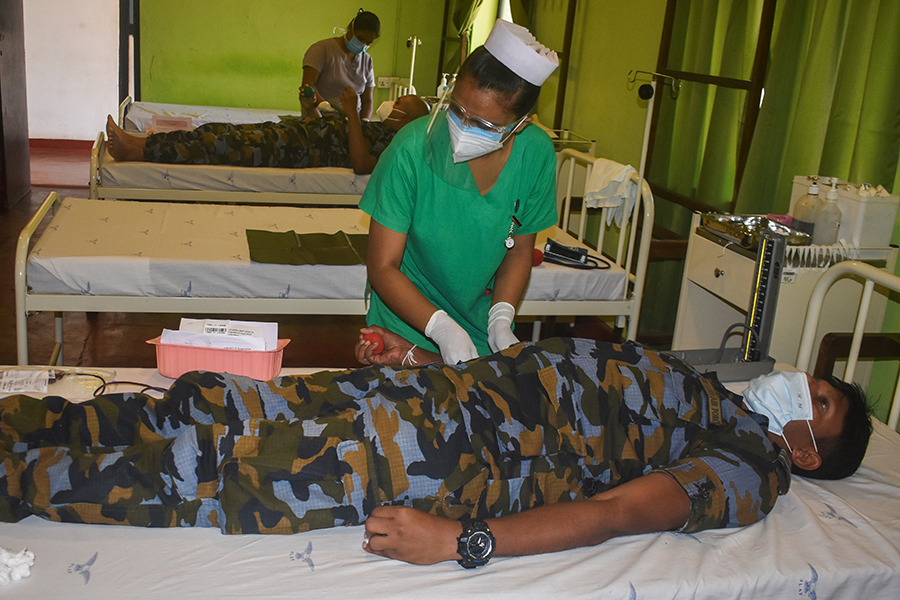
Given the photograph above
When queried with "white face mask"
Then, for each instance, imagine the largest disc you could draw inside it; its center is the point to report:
(384, 111)
(782, 396)
(471, 142)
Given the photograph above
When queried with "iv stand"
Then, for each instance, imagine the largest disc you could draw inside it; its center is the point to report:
(412, 43)
(647, 91)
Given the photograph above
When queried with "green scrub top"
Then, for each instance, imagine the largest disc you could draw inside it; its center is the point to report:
(455, 236)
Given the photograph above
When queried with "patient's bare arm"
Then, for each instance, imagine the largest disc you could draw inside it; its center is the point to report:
(360, 157)
(652, 503)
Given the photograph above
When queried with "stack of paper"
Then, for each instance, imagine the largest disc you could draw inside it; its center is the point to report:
(223, 333)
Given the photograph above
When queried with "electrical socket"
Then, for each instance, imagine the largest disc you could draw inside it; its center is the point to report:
(384, 82)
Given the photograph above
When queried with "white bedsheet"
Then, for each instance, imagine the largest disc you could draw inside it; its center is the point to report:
(140, 114)
(97, 247)
(823, 540)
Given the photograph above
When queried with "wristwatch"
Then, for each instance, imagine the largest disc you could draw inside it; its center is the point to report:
(476, 544)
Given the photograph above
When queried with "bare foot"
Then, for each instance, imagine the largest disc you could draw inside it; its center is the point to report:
(122, 146)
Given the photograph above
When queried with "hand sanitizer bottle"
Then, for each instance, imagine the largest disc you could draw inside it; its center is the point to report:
(444, 85)
(804, 207)
(828, 219)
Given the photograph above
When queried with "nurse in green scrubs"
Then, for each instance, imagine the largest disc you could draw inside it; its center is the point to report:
(456, 201)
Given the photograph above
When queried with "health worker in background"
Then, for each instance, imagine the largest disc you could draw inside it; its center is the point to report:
(456, 202)
(331, 64)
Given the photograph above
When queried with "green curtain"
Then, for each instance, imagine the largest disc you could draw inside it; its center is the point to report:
(832, 102)
(696, 145)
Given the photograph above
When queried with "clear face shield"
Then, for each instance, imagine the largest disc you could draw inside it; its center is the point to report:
(454, 137)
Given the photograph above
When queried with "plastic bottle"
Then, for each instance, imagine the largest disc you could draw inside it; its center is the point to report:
(828, 219)
(444, 85)
(804, 207)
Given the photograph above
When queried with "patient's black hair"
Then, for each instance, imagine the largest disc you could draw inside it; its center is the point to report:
(367, 21)
(491, 74)
(842, 455)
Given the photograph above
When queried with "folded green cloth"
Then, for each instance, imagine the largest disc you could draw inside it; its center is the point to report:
(290, 248)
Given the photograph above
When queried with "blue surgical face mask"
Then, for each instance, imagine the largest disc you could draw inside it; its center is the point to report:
(471, 142)
(355, 46)
(782, 396)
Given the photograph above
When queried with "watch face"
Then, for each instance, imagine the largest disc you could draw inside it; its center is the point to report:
(480, 545)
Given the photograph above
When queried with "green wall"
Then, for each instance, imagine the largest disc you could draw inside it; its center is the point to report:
(249, 54)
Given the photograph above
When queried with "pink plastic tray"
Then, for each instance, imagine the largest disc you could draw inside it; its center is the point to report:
(174, 361)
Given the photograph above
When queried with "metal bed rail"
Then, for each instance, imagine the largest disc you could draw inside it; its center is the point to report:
(629, 253)
(870, 276)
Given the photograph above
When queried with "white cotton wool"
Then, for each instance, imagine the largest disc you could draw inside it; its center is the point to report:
(15, 566)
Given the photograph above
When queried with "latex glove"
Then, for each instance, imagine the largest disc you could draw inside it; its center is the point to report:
(453, 341)
(500, 323)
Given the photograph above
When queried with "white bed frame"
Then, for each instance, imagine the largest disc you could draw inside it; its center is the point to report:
(574, 167)
(631, 255)
(869, 277)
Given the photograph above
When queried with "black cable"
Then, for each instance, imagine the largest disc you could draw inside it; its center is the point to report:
(727, 333)
(600, 262)
(144, 387)
(597, 262)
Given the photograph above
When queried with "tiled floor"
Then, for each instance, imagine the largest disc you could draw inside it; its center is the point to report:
(118, 339)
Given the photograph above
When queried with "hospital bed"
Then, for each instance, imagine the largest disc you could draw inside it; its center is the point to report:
(216, 183)
(212, 183)
(824, 539)
(166, 257)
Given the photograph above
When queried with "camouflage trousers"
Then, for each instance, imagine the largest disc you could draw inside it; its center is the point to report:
(289, 144)
(533, 425)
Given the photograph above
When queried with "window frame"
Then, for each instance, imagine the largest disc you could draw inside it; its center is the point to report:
(753, 86)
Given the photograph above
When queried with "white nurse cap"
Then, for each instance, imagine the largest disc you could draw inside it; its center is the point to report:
(515, 47)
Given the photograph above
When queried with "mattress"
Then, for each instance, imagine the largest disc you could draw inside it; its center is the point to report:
(823, 539)
(99, 248)
(221, 178)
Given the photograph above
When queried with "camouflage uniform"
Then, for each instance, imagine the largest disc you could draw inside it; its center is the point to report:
(535, 424)
(290, 144)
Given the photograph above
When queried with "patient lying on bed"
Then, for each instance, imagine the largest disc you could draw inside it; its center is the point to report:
(324, 141)
(548, 446)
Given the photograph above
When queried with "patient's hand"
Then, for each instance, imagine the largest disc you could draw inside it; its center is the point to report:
(349, 100)
(395, 348)
(310, 103)
(410, 535)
